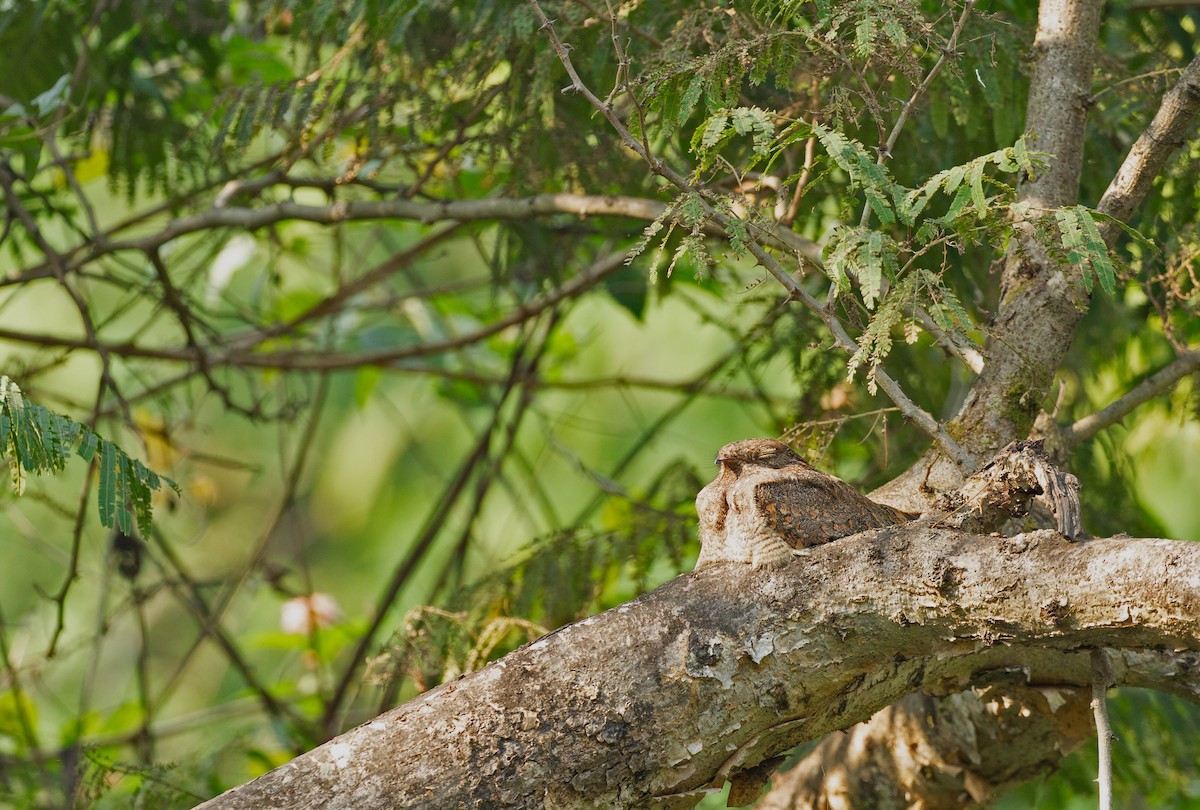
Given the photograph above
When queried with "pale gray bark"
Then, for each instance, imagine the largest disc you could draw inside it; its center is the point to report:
(944, 762)
(662, 699)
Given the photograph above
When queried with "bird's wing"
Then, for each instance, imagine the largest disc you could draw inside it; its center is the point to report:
(807, 507)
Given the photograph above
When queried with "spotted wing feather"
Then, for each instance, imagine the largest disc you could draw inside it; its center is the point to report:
(806, 507)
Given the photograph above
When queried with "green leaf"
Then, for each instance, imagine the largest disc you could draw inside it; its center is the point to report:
(50, 100)
(1085, 247)
(687, 101)
(87, 445)
(864, 171)
(106, 493)
(977, 195)
(879, 205)
(713, 129)
(41, 441)
(31, 156)
(870, 277)
(124, 495)
(956, 206)
(16, 709)
(864, 37)
(895, 33)
(366, 379)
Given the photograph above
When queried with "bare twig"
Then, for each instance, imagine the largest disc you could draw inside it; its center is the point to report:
(402, 573)
(810, 159)
(60, 598)
(459, 137)
(59, 270)
(330, 304)
(193, 600)
(970, 356)
(235, 581)
(242, 352)
(1101, 680)
(174, 302)
(522, 370)
(495, 208)
(1147, 389)
(24, 722)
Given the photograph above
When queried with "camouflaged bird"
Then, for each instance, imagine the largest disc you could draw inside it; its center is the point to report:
(766, 502)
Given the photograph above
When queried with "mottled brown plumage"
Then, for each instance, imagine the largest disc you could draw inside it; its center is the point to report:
(766, 502)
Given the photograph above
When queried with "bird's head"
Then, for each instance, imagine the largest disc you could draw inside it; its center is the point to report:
(756, 453)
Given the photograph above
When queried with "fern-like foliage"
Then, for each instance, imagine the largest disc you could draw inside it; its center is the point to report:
(723, 125)
(1085, 247)
(38, 440)
(864, 171)
(890, 279)
(866, 255)
(676, 90)
(690, 211)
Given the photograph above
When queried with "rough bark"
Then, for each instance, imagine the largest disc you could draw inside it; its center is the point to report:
(1041, 300)
(939, 770)
(658, 701)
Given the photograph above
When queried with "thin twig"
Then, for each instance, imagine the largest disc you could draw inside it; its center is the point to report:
(644, 441)
(402, 573)
(810, 158)
(522, 371)
(242, 353)
(885, 151)
(60, 598)
(1147, 389)
(1101, 679)
(58, 269)
(174, 301)
(26, 727)
(970, 357)
(193, 600)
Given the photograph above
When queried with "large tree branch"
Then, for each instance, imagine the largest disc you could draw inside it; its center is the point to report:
(667, 696)
(1040, 308)
(1041, 301)
(935, 770)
